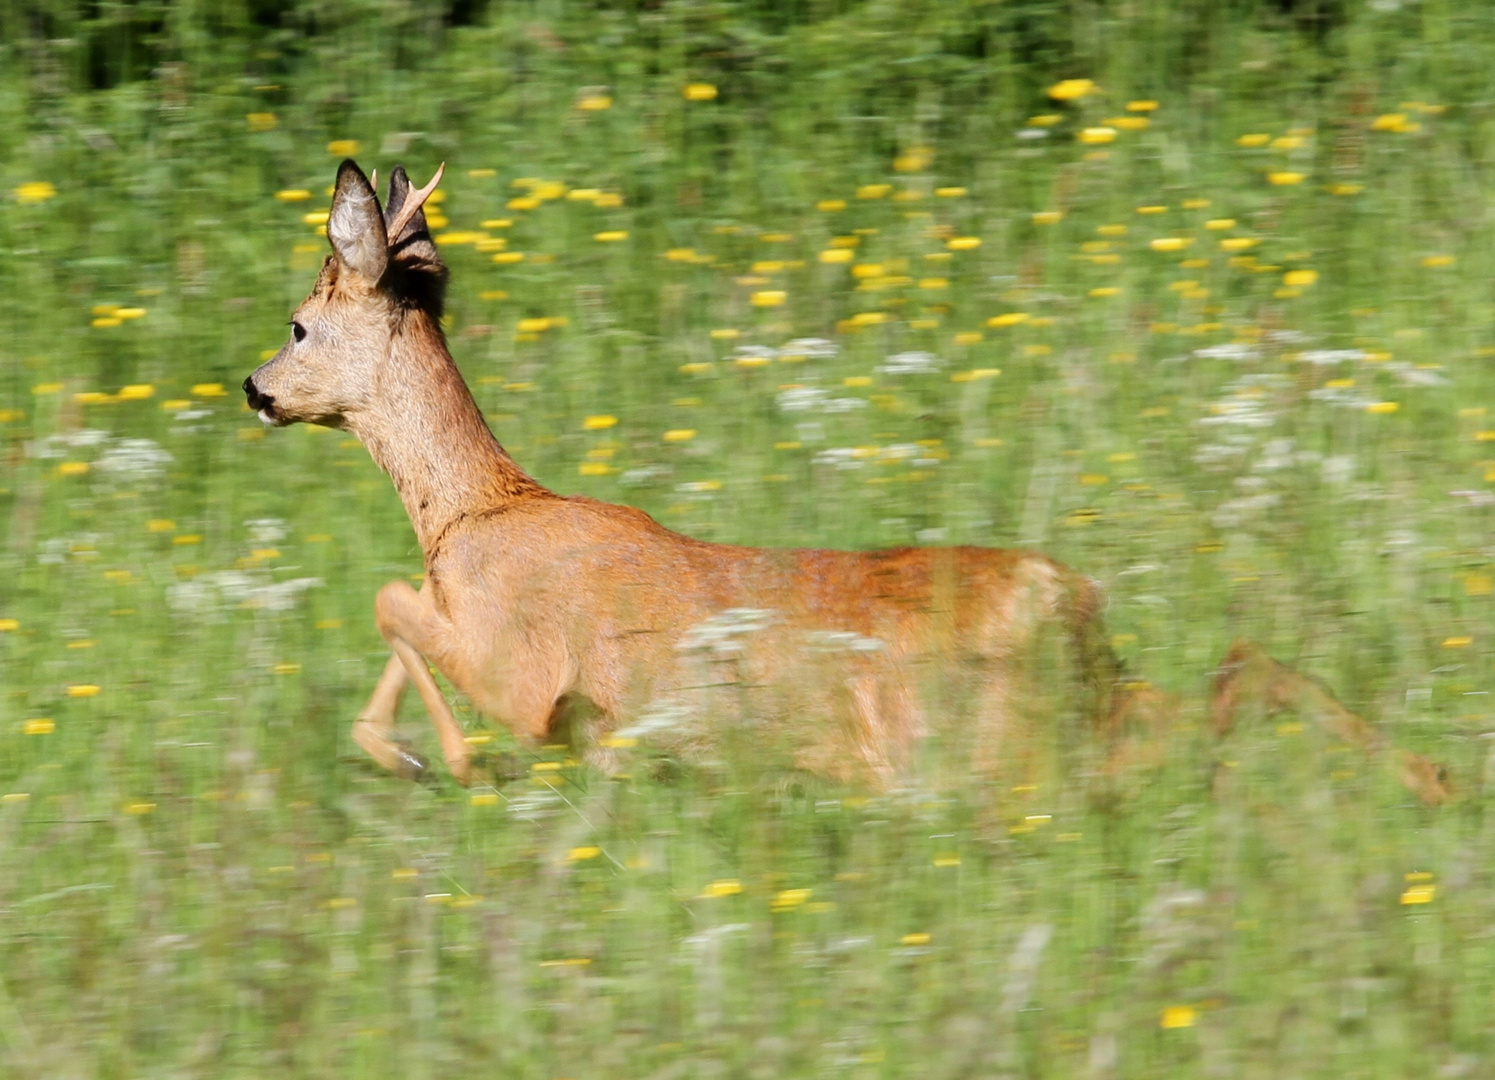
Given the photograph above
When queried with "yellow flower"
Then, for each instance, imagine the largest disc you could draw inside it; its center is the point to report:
(316, 217)
(1391, 122)
(599, 423)
(82, 690)
(1171, 243)
(725, 887)
(1106, 290)
(1284, 179)
(914, 939)
(1383, 407)
(1111, 230)
(581, 854)
(788, 899)
(1195, 204)
(768, 298)
(831, 206)
(136, 392)
(1251, 142)
(482, 174)
(9, 626)
(963, 243)
(343, 148)
(160, 525)
(837, 255)
(1434, 262)
(594, 103)
(1419, 894)
(969, 337)
(1046, 120)
(611, 236)
(1152, 209)
(261, 121)
(1287, 142)
(1071, 89)
(1010, 318)
(208, 389)
(726, 334)
(1178, 1016)
(293, 195)
(1346, 189)
(1238, 243)
(1220, 223)
(915, 159)
(37, 191)
(1130, 123)
(1300, 278)
(39, 726)
(950, 192)
(507, 258)
(1096, 135)
(679, 435)
(873, 191)
(699, 91)
(1141, 106)
(139, 808)
(72, 468)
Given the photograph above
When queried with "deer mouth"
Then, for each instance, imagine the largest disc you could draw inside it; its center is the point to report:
(263, 404)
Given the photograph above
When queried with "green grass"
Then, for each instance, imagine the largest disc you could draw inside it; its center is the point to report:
(199, 876)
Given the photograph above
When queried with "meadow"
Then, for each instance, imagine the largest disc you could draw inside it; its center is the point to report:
(1192, 296)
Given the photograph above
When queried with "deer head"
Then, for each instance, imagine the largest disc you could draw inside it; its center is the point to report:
(384, 271)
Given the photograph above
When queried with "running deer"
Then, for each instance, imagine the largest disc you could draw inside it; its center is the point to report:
(545, 610)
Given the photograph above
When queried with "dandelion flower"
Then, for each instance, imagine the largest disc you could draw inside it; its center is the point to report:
(1434, 262)
(679, 435)
(1071, 89)
(293, 195)
(1284, 179)
(594, 103)
(611, 236)
(699, 91)
(1218, 224)
(1141, 106)
(261, 121)
(1419, 894)
(1178, 1016)
(1170, 243)
(768, 298)
(37, 191)
(1253, 141)
(342, 147)
(1300, 278)
(963, 243)
(837, 255)
(831, 206)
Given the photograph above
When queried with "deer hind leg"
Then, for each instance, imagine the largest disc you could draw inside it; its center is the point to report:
(1248, 678)
(374, 730)
(409, 623)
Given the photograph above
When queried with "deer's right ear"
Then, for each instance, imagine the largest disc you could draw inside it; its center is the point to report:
(355, 225)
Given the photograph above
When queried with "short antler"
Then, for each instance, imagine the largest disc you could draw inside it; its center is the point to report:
(413, 202)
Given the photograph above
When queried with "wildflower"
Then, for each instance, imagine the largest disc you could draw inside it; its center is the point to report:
(699, 92)
(611, 236)
(342, 147)
(581, 854)
(873, 191)
(608, 200)
(1071, 89)
(1104, 291)
(837, 255)
(594, 103)
(679, 435)
(293, 195)
(1435, 262)
(37, 191)
(39, 726)
(831, 206)
(1195, 204)
(1010, 318)
(1238, 243)
(768, 298)
(9, 626)
(1095, 136)
(1394, 122)
(1171, 243)
(1419, 894)
(1284, 179)
(1460, 642)
(208, 390)
(316, 217)
(82, 690)
(1141, 106)
(482, 174)
(1129, 123)
(969, 337)
(1218, 224)
(1251, 142)
(1346, 189)
(725, 887)
(1048, 217)
(508, 258)
(963, 243)
(915, 159)
(72, 468)
(261, 121)
(1111, 230)
(1300, 278)
(1152, 209)
(1178, 1016)
(139, 809)
(950, 192)
(914, 939)
(789, 899)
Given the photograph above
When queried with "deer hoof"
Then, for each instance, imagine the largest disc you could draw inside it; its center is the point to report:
(408, 764)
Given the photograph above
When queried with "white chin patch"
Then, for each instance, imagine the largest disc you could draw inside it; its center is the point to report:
(267, 418)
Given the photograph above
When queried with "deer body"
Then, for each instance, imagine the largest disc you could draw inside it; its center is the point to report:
(533, 602)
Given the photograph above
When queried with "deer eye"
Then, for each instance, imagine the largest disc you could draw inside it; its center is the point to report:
(298, 331)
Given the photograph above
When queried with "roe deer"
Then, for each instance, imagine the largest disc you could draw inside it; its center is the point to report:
(534, 603)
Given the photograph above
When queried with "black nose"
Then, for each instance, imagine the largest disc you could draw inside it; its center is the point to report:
(257, 400)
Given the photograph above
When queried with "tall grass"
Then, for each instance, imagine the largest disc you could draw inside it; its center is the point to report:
(1287, 440)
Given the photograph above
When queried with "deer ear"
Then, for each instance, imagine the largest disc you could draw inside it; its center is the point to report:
(413, 245)
(355, 226)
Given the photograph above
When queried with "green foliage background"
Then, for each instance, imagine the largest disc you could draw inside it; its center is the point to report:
(198, 875)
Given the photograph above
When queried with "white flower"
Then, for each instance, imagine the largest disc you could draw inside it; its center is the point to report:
(911, 363)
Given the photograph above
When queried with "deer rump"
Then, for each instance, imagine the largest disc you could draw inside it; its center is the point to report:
(842, 660)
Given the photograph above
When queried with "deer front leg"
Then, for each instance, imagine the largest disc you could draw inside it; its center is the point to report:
(374, 728)
(410, 624)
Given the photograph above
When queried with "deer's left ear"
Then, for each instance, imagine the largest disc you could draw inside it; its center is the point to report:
(355, 225)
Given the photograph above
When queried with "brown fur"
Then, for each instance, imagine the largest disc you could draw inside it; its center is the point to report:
(533, 603)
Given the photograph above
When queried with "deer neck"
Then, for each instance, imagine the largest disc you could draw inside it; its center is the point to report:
(429, 435)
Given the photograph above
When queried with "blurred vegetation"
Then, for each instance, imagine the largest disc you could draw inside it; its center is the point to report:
(814, 272)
